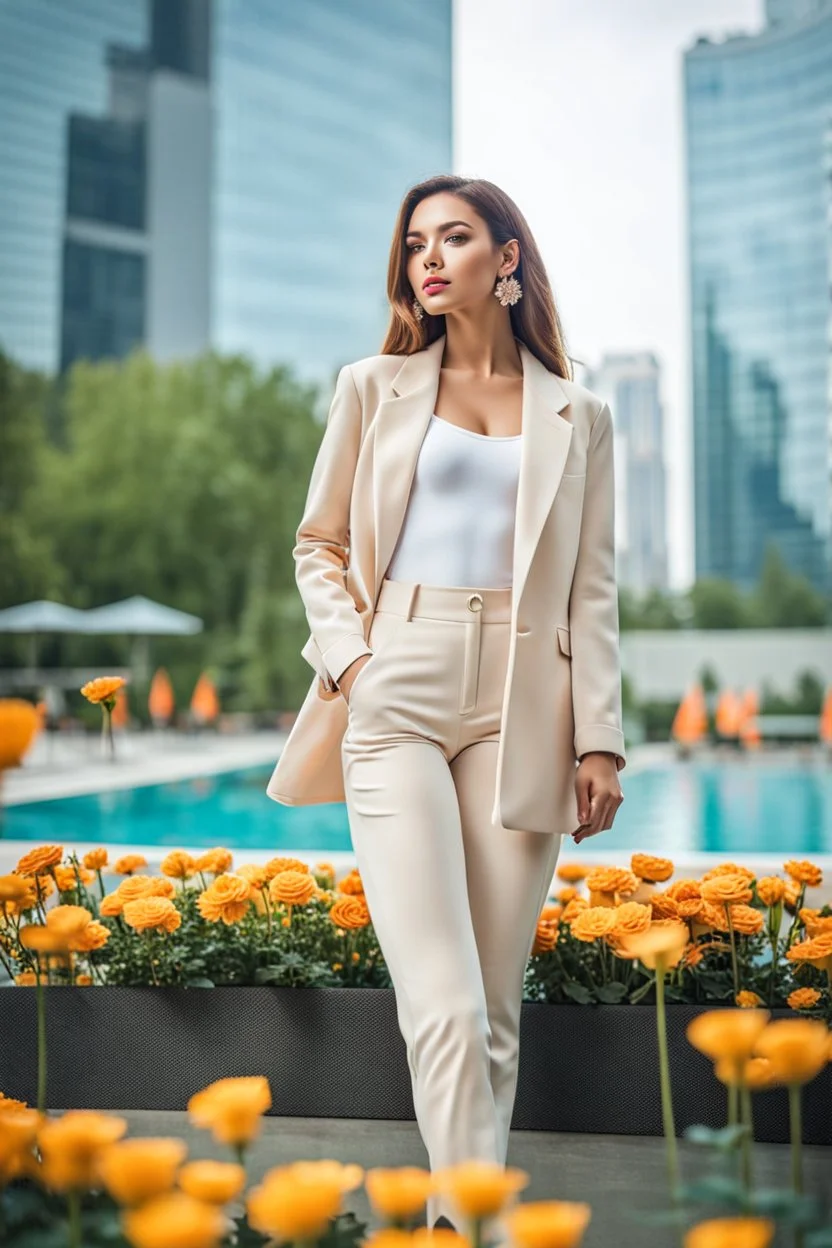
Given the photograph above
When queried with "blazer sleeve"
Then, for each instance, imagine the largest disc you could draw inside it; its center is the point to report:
(593, 606)
(322, 539)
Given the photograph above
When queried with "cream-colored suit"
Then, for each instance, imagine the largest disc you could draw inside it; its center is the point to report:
(563, 685)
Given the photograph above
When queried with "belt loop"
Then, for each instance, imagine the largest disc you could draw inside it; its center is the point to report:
(414, 587)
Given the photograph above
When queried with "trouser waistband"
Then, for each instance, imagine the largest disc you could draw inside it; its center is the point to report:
(445, 602)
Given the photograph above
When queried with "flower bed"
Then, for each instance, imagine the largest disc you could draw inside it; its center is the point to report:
(338, 1053)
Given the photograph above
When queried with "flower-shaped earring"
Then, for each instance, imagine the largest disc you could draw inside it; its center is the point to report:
(418, 310)
(508, 290)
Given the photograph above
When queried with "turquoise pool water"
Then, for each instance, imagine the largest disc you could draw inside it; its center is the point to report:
(731, 808)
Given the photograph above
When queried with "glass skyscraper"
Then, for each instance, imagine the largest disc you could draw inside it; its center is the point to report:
(757, 112)
(184, 172)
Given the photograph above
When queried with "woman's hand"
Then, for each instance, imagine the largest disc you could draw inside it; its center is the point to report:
(347, 677)
(598, 792)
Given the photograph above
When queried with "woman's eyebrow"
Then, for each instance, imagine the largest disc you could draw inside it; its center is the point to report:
(446, 226)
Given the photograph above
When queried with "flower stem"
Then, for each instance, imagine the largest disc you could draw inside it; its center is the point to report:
(41, 1007)
(733, 951)
(796, 1132)
(74, 1203)
(664, 1080)
(748, 1121)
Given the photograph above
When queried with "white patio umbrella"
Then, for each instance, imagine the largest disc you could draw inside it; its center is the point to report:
(41, 616)
(142, 618)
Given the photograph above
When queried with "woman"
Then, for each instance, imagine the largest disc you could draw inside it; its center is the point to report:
(456, 562)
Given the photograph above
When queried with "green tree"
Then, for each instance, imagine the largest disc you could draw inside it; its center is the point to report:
(785, 599)
(717, 603)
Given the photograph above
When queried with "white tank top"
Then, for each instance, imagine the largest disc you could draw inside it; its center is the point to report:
(459, 525)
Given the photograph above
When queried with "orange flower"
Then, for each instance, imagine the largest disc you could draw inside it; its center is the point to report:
(256, 875)
(659, 948)
(573, 908)
(70, 1146)
(175, 1218)
(815, 922)
(731, 1233)
(547, 1223)
(728, 868)
(94, 936)
(275, 865)
(545, 937)
(215, 861)
(95, 859)
(609, 881)
(134, 1171)
(133, 887)
(770, 889)
(655, 870)
(792, 895)
(43, 939)
(757, 1074)
(746, 920)
(688, 897)
(802, 872)
(726, 889)
(26, 979)
(325, 868)
(480, 1189)
(817, 951)
(664, 906)
(798, 1048)
(803, 998)
(293, 888)
(37, 861)
(103, 690)
(567, 894)
(572, 872)
(631, 916)
(214, 1182)
(178, 863)
(594, 922)
(350, 913)
(227, 898)
(693, 955)
(129, 863)
(299, 1201)
(17, 889)
(111, 905)
(730, 1033)
(66, 879)
(148, 913)
(398, 1193)
(748, 1000)
(551, 913)
(351, 883)
(232, 1107)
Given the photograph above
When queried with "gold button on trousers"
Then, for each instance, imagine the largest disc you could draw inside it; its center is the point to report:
(453, 898)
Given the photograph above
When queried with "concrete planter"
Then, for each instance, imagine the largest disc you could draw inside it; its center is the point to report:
(338, 1053)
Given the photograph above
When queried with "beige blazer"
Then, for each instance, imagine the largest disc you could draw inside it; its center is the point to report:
(563, 684)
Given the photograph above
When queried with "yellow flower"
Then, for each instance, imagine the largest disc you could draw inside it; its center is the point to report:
(70, 1146)
(43, 939)
(39, 860)
(111, 905)
(802, 872)
(605, 883)
(726, 889)
(757, 1073)
(103, 690)
(728, 868)
(228, 897)
(232, 1107)
(129, 863)
(134, 1171)
(594, 922)
(152, 912)
(803, 998)
(398, 1193)
(214, 1182)
(729, 1033)
(547, 1223)
(175, 1220)
(293, 888)
(71, 922)
(17, 889)
(350, 913)
(66, 878)
(298, 1201)
(95, 859)
(546, 936)
(659, 948)
(771, 889)
(655, 870)
(572, 872)
(747, 1000)
(798, 1048)
(815, 922)
(631, 917)
(480, 1189)
(255, 874)
(745, 920)
(731, 1233)
(179, 864)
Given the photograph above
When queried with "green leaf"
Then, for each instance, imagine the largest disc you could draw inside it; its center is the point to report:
(787, 1205)
(714, 1188)
(577, 992)
(611, 993)
(641, 991)
(270, 975)
(723, 1138)
(199, 981)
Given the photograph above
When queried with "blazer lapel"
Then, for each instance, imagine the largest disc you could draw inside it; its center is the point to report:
(401, 423)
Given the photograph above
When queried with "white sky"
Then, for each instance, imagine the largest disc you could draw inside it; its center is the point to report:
(575, 108)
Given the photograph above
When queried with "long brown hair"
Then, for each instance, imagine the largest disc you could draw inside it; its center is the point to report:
(534, 318)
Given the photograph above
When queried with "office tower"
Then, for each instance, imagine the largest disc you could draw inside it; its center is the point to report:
(223, 173)
(757, 110)
(629, 382)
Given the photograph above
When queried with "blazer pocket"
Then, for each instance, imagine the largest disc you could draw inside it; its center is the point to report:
(564, 642)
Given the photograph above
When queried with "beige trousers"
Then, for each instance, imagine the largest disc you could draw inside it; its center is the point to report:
(454, 899)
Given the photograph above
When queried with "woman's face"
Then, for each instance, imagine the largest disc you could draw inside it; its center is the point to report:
(448, 239)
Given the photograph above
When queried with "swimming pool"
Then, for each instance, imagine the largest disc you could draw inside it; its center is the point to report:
(742, 807)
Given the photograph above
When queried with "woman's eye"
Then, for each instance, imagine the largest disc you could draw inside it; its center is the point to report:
(413, 246)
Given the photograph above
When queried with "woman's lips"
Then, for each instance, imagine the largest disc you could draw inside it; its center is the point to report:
(435, 287)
